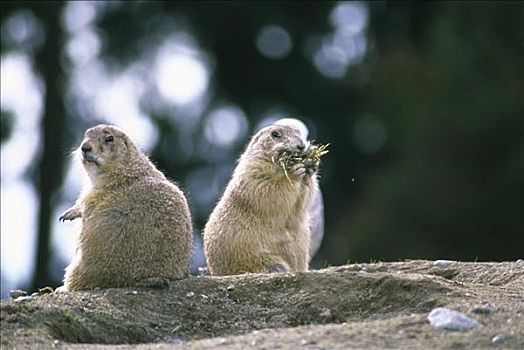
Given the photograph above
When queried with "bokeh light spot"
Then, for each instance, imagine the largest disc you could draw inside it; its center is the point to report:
(349, 17)
(274, 42)
(79, 14)
(181, 76)
(333, 53)
(19, 209)
(83, 47)
(331, 61)
(118, 103)
(225, 125)
(22, 28)
(21, 94)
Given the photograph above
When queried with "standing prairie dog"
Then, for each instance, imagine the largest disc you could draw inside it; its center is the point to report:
(136, 225)
(261, 223)
(316, 205)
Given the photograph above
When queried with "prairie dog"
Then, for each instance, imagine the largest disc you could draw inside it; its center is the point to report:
(316, 206)
(261, 223)
(136, 225)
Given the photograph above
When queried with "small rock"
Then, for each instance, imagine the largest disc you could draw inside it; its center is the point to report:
(499, 338)
(450, 320)
(132, 292)
(484, 309)
(15, 293)
(443, 263)
(204, 296)
(190, 294)
(230, 287)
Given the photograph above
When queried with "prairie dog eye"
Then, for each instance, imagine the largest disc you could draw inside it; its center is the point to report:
(109, 138)
(276, 135)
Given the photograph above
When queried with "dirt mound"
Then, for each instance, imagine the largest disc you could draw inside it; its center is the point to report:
(360, 305)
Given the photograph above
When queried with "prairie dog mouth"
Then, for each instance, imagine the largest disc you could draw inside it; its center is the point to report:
(88, 157)
(310, 156)
(294, 150)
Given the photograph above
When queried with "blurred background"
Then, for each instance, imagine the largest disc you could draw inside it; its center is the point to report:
(422, 103)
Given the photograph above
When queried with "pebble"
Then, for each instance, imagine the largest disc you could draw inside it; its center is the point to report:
(499, 338)
(15, 293)
(450, 320)
(190, 294)
(443, 263)
(484, 310)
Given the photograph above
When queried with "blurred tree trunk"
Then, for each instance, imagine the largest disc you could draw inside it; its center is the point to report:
(50, 168)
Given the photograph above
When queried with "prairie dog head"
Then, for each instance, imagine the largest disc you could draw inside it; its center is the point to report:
(105, 148)
(275, 139)
(294, 123)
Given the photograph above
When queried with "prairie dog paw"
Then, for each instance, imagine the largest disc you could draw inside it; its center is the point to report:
(71, 214)
(299, 170)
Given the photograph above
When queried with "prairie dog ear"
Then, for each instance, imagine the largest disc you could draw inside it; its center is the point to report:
(297, 124)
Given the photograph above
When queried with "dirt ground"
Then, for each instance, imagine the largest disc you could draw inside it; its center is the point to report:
(373, 306)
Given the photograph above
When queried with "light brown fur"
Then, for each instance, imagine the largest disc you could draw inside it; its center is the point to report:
(136, 225)
(261, 223)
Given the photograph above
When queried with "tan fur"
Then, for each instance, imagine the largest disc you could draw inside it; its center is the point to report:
(136, 225)
(261, 223)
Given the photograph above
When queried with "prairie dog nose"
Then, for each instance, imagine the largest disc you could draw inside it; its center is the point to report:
(86, 147)
(301, 145)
